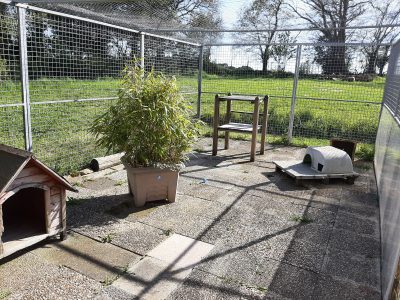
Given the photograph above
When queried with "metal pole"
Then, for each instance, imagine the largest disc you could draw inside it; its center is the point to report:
(200, 81)
(142, 50)
(294, 92)
(23, 54)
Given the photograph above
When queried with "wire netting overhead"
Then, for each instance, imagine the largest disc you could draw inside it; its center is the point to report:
(213, 21)
(140, 15)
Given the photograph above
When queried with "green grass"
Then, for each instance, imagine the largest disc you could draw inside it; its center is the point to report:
(313, 118)
(60, 136)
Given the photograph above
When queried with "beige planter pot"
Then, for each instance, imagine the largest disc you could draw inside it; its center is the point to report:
(150, 184)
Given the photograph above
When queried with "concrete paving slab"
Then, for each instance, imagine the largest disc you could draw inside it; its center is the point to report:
(84, 203)
(332, 289)
(293, 283)
(352, 222)
(357, 197)
(273, 239)
(201, 285)
(88, 257)
(348, 266)
(97, 225)
(194, 206)
(278, 207)
(247, 264)
(151, 279)
(127, 211)
(181, 251)
(110, 293)
(314, 233)
(179, 222)
(345, 240)
(138, 237)
(303, 254)
(30, 277)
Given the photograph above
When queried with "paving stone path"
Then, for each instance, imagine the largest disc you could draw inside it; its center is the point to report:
(266, 237)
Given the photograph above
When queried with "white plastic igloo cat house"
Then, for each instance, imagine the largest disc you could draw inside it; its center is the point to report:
(319, 163)
(328, 160)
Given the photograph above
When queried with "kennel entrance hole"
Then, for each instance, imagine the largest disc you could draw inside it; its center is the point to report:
(307, 159)
(24, 215)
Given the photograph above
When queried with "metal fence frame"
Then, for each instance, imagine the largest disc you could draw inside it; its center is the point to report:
(27, 104)
(24, 69)
(294, 97)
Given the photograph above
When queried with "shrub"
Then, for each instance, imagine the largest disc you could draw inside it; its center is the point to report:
(366, 152)
(150, 122)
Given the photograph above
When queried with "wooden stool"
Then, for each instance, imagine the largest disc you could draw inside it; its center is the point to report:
(240, 127)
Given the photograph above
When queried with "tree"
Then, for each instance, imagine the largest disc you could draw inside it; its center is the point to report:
(9, 50)
(283, 52)
(382, 59)
(331, 17)
(260, 15)
(205, 20)
(385, 12)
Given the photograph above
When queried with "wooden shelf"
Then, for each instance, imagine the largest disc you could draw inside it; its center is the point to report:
(229, 126)
(238, 98)
(238, 127)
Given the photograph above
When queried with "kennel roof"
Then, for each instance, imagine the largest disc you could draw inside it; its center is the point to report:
(13, 161)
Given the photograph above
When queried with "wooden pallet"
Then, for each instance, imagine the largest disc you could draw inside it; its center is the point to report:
(301, 171)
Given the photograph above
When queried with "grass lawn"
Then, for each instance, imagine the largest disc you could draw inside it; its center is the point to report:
(60, 135)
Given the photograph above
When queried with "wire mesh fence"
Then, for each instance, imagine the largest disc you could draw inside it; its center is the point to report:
(74, 71)
(329, 99)
(74, 68)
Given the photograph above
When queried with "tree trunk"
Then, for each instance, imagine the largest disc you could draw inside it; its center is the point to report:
(341, 67)
(372, 62)
(265, 58)
(382, 61)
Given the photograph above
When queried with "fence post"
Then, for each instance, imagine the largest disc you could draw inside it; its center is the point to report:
(142, 50)
(294, 92)
(24, 76)
(200, 81)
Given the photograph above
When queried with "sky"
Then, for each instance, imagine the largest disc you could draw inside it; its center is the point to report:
(241, 56)
(230, 11)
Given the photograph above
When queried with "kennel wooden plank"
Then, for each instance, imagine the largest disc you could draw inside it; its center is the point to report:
(29, 171)
(297, 169)
(55, 199)
(55, 191)
(30, 179)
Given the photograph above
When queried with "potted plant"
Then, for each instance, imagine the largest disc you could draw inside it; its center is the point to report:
(151, 123)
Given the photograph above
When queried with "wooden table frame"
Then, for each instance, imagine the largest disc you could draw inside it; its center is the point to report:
(239, 127)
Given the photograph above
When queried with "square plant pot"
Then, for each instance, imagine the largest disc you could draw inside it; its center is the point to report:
(150, 184)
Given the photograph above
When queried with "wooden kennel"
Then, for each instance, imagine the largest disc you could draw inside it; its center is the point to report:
(32, 201)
